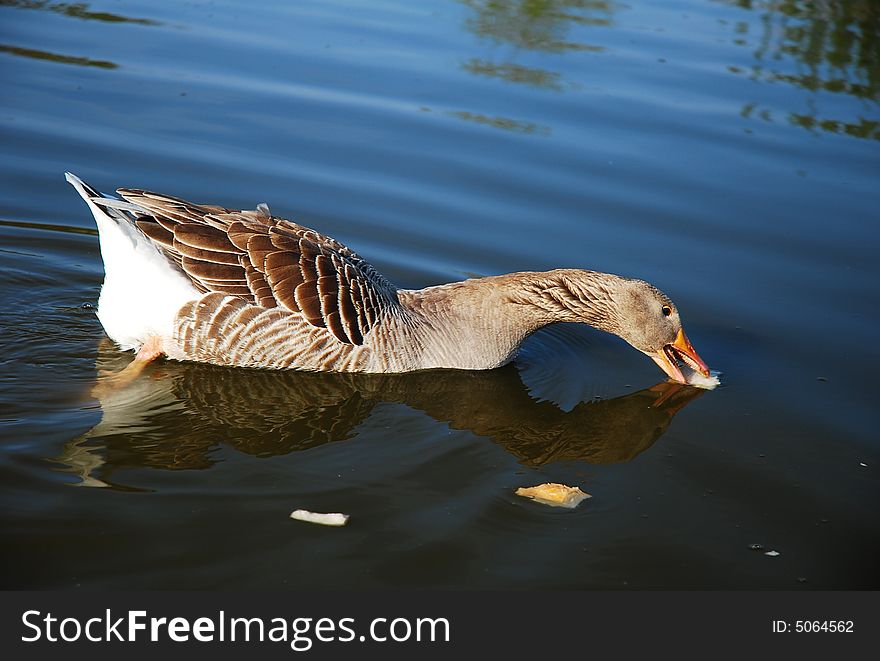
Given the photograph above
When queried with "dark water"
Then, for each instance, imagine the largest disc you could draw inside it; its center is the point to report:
(729, 152)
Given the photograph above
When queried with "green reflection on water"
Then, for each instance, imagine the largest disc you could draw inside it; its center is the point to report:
(514, 73)
(531, 25)
(542, 26)
(67, 229)
(537, 24)
(497, 122)
(56, 57)
(825, 47)
(75, 10)
(503, 123)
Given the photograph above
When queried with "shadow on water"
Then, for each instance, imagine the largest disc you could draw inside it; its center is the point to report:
(178, 413)
(827, 47)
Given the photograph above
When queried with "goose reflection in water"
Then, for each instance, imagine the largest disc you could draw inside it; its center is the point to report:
(177, 414)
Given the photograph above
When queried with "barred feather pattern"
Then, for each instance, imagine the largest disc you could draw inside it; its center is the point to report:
(269, 279)
(587, 296)
(227, 330)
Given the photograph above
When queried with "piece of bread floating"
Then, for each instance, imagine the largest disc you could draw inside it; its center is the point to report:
(555, 495)
(706, 382)
(331, 519)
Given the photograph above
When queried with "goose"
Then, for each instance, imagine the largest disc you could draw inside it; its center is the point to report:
(195, 282)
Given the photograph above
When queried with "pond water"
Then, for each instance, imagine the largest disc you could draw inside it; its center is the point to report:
(727, 151)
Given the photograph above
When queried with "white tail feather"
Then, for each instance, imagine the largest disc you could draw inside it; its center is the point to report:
(142, 290)
(109, 202)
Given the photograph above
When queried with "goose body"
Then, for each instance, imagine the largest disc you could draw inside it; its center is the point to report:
(245, 288)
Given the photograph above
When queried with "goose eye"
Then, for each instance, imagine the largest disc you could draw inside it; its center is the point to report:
(666, 310)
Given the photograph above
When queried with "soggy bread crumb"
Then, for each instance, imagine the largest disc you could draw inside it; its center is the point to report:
(331, 519)
(554, 495)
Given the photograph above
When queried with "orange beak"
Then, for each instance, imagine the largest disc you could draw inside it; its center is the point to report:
(667, 358)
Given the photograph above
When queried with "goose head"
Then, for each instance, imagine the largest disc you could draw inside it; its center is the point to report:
(651, 323)
(636, 311)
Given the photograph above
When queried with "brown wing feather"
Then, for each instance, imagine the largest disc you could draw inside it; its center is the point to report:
(269, 262)
(155, 231)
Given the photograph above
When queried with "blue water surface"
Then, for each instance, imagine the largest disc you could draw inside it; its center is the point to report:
(726, 151)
